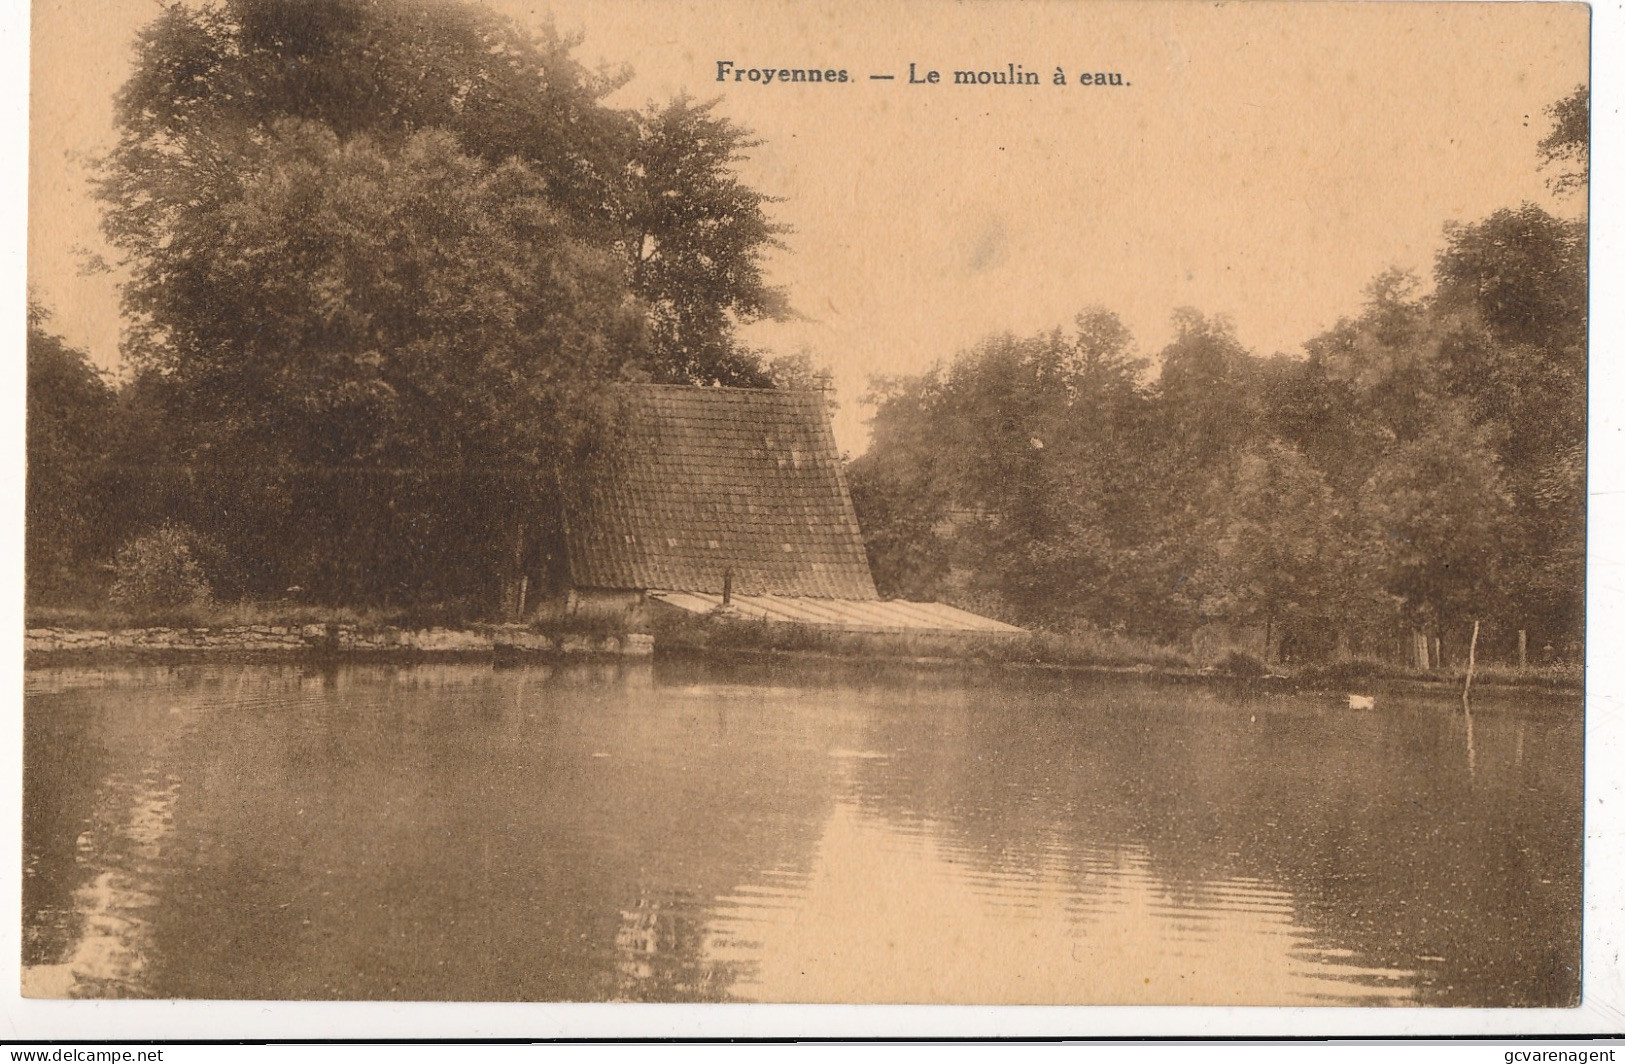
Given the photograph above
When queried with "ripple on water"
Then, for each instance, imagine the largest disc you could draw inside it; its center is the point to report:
(1110, 935)
(284, 832)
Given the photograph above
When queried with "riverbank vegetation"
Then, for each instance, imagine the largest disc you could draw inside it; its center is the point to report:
(260, 612)
(1418, 475)
(1083, 650)
(385, 255)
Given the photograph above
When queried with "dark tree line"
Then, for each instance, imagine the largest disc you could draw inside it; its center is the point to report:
(1422, 467)
(71, 445)
(384, 255)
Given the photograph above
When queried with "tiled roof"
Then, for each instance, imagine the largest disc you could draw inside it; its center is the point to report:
(702, 480)
(850, 616)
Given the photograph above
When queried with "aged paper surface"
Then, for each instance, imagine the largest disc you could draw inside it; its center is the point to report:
(964, 170)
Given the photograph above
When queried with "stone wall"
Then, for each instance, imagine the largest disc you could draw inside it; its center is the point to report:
(328, 639)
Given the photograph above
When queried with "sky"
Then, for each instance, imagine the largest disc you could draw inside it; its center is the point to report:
(1262, 160)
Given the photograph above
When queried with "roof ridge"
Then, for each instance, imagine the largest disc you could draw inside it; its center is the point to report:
(711, 388)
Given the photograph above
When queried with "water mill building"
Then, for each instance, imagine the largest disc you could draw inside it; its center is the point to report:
(731, 498)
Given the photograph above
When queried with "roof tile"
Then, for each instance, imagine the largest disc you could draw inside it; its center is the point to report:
(702, 480)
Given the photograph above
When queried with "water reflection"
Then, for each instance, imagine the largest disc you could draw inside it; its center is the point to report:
(698, 833)
(1092, 927)
(107, 954)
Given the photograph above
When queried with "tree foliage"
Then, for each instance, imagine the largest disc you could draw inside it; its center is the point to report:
(1276, 542)
(385, 253)
(1440, 514)
(72, 441)
(1017, 467)
(402, 343)
(1421, 466)
(1205, 385)
(1567, 148)
(213, 85)
(1512, 299)
(159, 571)
(695, 234)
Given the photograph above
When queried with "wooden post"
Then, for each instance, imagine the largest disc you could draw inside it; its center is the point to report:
(1472, 751)
(727, 587)
(513, 593)
(1523, 648)
(1472, 662)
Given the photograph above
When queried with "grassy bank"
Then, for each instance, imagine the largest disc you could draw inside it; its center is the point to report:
(547, 616)
(229, 615)
(722, 637)
(740, 638)
(1360, 670)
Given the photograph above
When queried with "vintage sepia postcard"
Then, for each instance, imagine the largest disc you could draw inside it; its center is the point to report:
(1015, 503)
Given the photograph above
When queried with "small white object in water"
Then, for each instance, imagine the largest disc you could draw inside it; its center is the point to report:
(1362, 701)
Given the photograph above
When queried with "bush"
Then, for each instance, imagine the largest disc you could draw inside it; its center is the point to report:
(1086, 646)
(1241, 663)
(158, 571)
(1344, 673)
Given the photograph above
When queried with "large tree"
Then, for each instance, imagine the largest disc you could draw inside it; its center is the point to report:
(1021, 471)
(1385, 362)
(1207, 401)
(72, 440)
(695, 234)
(380, 247)
(391, 356)
(1276, 542)
(1512, 310)
(1438, 511)
(212, 83)
(660, 188)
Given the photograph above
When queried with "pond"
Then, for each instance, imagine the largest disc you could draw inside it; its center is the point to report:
(682, 831)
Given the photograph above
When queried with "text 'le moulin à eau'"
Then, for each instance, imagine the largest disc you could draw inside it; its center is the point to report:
(1011, 74)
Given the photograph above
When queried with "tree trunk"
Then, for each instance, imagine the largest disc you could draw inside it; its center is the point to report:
(514, 581)
(1523, 648)
(1472, 662)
